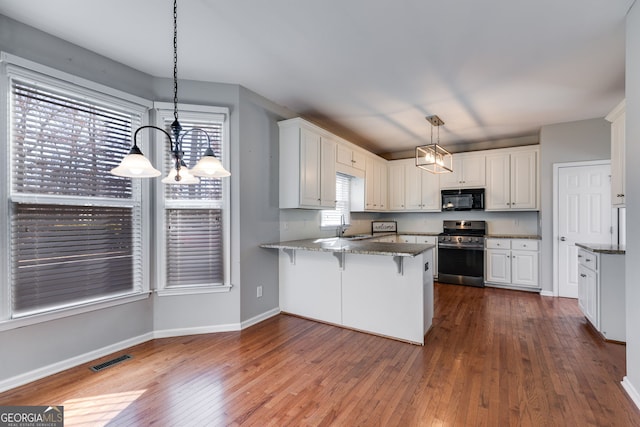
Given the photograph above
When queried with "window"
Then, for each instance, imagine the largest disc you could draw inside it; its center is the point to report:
(74, 228)
(341, 214)
(194, 230)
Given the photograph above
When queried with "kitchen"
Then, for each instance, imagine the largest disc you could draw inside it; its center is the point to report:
(256, 213)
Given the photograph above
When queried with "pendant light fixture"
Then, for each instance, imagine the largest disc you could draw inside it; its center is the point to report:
(433, 158)
(135, 165)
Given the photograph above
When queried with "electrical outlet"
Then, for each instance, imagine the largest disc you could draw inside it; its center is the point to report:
(285, 225)
(259, 291)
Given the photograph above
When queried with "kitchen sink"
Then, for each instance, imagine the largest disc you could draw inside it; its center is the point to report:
(333, 242)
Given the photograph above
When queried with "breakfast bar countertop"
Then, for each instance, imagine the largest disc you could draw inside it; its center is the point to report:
(352, 246)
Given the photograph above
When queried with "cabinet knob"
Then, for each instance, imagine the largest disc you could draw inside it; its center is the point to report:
(579, 256)
(588, 259)
(583, 275)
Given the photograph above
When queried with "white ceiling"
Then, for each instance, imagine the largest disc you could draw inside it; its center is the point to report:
(371, 70)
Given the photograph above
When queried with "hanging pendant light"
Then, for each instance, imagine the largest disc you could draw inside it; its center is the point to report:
(135, 165)
(433, 158)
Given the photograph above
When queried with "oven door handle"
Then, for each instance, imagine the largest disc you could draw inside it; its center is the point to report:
(449, 246)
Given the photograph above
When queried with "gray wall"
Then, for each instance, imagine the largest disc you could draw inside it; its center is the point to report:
(633, 197)
(254, 217)
(560, 143)
(36, 346)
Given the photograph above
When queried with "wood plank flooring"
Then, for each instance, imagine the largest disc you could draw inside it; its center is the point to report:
(493, 358)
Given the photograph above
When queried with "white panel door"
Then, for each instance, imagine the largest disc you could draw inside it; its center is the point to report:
(584, 216)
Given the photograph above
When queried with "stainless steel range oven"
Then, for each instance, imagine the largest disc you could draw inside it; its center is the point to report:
(461, 253)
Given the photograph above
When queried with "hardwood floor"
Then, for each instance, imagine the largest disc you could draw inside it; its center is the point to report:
(493, 358)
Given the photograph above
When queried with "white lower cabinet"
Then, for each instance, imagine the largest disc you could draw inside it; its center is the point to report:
(512, 263)
(601, 292)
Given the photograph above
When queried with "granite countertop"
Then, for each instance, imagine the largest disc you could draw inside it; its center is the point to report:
(514, 236)
(603, 248)
(352, 246)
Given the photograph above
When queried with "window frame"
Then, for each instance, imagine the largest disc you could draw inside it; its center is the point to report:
(14, 67)
(163, 112)
(324, 212)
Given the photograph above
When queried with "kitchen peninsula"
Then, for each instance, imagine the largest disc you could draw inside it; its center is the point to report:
(377, 287)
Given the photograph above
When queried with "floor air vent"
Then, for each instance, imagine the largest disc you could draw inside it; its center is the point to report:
(105, 365)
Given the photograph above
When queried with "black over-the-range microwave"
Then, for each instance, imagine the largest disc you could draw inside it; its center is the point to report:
(466, 199)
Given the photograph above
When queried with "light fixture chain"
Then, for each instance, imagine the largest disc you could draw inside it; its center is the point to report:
(175, 59)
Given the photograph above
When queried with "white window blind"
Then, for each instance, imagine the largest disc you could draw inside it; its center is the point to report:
(342, 213)
(75, 228)
(195, 226)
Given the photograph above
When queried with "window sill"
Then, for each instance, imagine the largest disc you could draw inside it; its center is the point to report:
(193, 290)
(70, 311)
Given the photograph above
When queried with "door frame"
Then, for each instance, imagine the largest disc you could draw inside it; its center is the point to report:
(556, 204)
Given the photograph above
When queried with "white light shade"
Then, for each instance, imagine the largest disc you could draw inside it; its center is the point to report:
(433, 158)
(210, 167)
(135, 166)
(185, 177)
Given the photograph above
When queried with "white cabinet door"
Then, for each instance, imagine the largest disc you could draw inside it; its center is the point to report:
(524, 268)
(370, 185)
(327, 173)
(430, 191)
(310, 168)
(473, 169)
(350, 157)
(498, 266)
(453, 179)
(468, 172)
(617, 119)
(588, 288)
(396, 186)
(498, 192)
(413, 187)
(524, 180)
(383, 184)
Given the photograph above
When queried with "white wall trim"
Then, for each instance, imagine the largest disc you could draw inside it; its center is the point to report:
(72, 362)
(259, 318)
(547, 294)
(198, 330)
(555, 202)
(631, 390)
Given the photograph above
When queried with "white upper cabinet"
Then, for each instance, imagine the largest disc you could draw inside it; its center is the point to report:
(396, 186)
(375, 184)
(350, 157)
(617, 119)
(307, 166)
(512, 180)
(468, 172)
(412, 188)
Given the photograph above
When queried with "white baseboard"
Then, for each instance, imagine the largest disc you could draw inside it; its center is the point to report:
(259, 318)
(631, 391)
(54, 368)
(198, 330)
(547, 294)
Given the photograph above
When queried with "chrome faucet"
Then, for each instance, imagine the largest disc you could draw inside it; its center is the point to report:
(342, 228)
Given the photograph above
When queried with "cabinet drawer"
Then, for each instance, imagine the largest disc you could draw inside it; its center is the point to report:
(524, 245)
(498, 243)
(588, 259)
